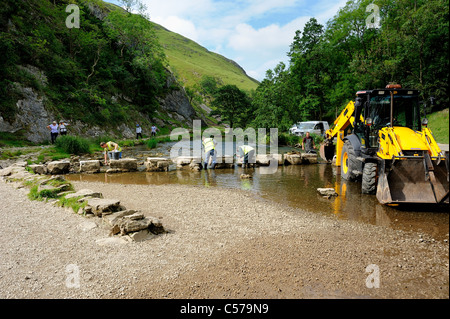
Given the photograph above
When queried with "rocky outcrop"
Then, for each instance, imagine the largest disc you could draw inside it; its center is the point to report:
(31, 115)
(176, 102)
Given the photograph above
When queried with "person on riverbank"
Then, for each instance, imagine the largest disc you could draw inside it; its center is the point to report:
(111, 147)
(308, 143)
(209, 147)
(53, 131)
(154, 129)
(248, 153)
(138, 131)
(63, 128)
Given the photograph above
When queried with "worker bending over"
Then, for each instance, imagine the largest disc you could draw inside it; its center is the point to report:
(248, 153)
(209, 147)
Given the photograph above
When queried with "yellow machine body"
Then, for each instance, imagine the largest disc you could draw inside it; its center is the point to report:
(404, 166)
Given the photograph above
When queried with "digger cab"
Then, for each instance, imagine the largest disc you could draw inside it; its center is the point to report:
(384, 108)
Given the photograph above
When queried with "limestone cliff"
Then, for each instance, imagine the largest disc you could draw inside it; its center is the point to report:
(33, 115)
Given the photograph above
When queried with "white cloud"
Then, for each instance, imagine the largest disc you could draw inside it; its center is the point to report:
(179, 25)
(264, 48)
(267, 39)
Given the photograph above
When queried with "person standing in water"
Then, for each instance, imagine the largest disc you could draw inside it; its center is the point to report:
(209, 147)
(248, 153)
(308, 143)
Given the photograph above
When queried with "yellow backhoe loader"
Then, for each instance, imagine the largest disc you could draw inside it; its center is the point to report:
(383, 142)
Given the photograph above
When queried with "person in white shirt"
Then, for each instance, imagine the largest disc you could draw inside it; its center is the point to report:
(63, 128)
(138, 131)
(53, 131)
(154, 129)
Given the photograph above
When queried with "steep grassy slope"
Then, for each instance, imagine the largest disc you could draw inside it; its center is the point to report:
(190, 61)
(438, 122)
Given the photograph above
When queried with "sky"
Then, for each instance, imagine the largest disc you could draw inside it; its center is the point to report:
(256, 34)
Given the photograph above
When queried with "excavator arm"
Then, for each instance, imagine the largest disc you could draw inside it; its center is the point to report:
(341, 123)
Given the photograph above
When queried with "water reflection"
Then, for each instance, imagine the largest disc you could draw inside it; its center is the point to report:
(297, 186)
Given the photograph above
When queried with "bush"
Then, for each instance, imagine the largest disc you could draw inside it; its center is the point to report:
(72, 145)
(152, 143)
(288, 139)
(318, 139)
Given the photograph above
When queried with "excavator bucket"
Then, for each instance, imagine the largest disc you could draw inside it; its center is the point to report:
(327, 151)
(414, 180)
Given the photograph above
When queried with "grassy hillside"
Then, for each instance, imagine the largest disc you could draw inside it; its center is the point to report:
(438, 122)
(190, 61)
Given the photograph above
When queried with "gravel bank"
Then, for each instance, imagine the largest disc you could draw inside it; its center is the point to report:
(221, 244)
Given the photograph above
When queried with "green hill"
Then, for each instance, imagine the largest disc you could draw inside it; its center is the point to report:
(438, 122)
(190, 61)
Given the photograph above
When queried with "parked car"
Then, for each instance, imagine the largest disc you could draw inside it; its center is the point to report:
(294, 127)
(313, 127)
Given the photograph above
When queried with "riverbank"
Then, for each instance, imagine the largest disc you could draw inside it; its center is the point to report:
(221, 243)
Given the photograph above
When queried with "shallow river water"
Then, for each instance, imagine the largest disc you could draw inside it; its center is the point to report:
(297, 186)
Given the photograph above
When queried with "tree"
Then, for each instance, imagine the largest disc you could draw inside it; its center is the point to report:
(273, 100)
(208, 87)
(233, 105)
(327, 65)
(130, 5)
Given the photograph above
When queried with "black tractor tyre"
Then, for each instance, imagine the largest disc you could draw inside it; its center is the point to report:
(369, 179)
(349, 167)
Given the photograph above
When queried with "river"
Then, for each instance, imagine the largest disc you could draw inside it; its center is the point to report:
(295, 186)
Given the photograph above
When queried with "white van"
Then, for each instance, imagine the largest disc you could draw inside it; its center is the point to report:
(313, 127)
(293, 128)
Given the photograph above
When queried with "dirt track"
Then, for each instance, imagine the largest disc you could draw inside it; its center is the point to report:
(221, 244)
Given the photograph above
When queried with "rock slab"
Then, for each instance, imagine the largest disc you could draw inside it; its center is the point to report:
(101, 206)
(327, 192)
(157, 164)
(92, 166)
(58, 167)
(124, 165)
